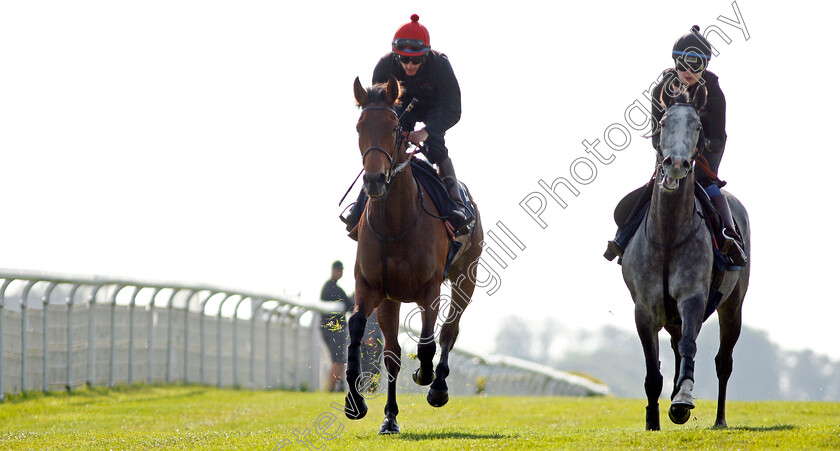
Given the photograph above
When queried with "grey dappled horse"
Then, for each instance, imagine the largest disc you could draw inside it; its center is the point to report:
(668, 264)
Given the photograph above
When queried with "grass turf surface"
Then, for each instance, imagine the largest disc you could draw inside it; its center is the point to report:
(196, 417)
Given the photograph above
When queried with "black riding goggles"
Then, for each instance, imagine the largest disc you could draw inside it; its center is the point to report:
(410, 45)
(689, 62)
(411, 59)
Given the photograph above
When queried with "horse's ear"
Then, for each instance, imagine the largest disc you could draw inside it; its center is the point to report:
(359, 92)
(393, 89)
(699, 99)
(673, 92)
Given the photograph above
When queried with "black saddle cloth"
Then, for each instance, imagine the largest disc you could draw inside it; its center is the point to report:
(637, 199)
(426, 174)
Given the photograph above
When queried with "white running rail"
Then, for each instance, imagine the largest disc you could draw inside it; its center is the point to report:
(60, 332)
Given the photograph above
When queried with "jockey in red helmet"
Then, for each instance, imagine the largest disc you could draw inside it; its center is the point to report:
(426, 75)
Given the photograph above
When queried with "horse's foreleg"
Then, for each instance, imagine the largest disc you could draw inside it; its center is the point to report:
(426, 345)
(388, 315)
(691, 313)
(462, 290)
(354, 404)
(729, 318)
(648, 335)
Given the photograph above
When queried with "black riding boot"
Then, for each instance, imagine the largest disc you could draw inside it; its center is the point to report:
(447, 174)
(355, 212)
(640, 198)
(731, 244)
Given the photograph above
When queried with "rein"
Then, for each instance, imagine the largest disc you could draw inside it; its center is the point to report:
(680, 242)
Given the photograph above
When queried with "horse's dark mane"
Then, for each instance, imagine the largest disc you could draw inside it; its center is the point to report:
(378, 93)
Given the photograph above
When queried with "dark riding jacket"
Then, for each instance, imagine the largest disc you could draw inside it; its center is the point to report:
(434, 85)
(712, 115)
(333, 293)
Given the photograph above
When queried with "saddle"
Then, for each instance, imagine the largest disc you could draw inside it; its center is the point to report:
(427, 176)
(638, 199)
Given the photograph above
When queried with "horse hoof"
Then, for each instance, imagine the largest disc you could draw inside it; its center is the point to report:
(422, 381)
(680, 413)
(355, 410)
(389, 426)
(437, 398)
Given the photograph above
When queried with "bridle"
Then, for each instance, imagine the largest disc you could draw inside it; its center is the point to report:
(660, 169)
(392, 170)
(660, 157)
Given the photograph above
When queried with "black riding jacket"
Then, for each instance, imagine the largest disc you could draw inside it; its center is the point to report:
(333, 293)
(434, 85)
(712, 115)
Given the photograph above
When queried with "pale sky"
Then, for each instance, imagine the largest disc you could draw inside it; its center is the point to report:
(210, 141)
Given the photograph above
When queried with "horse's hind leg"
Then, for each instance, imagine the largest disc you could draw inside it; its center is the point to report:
(729, 318)
(653, 378)
(462, 291)
(388, 315)
(676, 334)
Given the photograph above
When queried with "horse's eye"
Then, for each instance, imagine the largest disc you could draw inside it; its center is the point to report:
(698, 127)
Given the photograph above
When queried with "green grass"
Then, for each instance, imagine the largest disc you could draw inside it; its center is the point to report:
(196, 417)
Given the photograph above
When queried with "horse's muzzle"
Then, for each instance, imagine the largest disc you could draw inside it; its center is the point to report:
(674, 169)
(375, 185)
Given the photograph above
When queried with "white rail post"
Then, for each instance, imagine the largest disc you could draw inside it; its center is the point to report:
(236, 340)
(24, 342)
(314, 355)
(45, 302)
(69, 302)
(284, 316)
(296, 331)
(169, 344)
(187, 335)
(202, 337)
(91, 376)
(131, 306)
(113, 350)
(219, 341)
(5, 285)
(151, 339)
(255, 308)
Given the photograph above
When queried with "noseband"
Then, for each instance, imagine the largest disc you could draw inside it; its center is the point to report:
(392, 171)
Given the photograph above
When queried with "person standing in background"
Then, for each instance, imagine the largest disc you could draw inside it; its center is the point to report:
(334, 326)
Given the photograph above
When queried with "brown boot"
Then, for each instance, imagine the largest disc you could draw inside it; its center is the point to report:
(447, 174)
(731, 244)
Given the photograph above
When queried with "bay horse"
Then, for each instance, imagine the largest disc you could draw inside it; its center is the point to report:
(402, 248)
(668, 267)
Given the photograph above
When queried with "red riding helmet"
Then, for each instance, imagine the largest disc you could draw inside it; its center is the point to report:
(412, 39)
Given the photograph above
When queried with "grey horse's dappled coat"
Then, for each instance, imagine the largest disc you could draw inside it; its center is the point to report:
(668, 265)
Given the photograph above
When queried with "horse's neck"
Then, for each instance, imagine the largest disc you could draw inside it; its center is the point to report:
(672, 214)
(399, 209)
